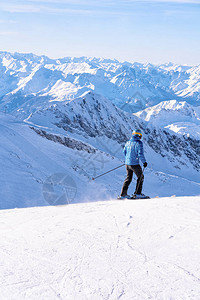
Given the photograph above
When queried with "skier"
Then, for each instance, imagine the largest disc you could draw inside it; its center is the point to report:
(133, 151)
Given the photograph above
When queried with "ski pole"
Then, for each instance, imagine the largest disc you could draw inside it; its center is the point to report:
(139, 180)
(93, 178)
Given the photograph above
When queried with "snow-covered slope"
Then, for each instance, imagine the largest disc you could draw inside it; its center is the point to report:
(27, 78)
(104, 250)
(47, 171)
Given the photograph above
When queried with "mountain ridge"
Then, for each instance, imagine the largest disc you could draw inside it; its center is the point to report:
(130, 86)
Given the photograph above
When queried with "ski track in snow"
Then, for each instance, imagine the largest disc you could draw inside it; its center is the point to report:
(104, 250)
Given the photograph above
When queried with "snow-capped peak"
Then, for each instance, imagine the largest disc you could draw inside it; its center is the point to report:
(121, 82)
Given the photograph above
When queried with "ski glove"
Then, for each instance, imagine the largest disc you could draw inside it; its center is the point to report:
(145, 164)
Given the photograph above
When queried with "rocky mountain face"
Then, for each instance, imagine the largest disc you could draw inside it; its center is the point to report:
(95, 120)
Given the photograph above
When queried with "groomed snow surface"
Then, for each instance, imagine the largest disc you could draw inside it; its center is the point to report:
(133, 249)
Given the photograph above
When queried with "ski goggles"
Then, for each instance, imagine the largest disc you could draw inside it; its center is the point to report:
(139, 133)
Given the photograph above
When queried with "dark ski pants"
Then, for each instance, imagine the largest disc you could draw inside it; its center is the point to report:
(140, 178)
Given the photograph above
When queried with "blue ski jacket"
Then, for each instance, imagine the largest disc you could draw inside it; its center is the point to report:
(133, 151)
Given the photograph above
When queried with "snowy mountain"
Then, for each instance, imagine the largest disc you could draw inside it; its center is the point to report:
(53, 122)
(94, 119)
(62, 123)
(25, 78)
(179, 117)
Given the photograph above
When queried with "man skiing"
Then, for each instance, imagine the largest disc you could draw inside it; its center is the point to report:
(133, 151)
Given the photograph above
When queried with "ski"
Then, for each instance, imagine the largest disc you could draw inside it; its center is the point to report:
(132, 198)
(142, 198)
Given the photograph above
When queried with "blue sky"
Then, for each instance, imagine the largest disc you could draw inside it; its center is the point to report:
(156, 31)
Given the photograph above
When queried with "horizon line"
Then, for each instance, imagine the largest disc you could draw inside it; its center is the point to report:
(98, 58)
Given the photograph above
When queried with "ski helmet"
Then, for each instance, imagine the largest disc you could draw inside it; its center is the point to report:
(137, 132)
